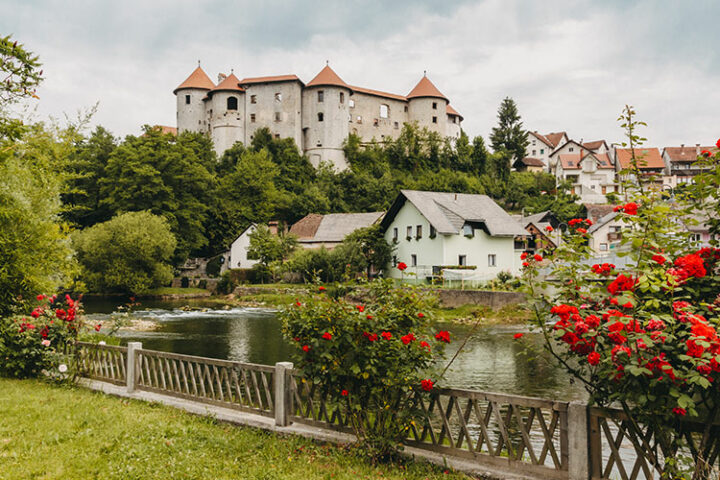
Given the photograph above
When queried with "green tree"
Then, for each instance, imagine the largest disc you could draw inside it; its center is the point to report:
(479, 156)
(268, 247)
(509, 134)
(19, 71)
(370, 242)
(130, 253)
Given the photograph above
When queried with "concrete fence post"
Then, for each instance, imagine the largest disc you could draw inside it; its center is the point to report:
(283, 395)
(578, 442)
(131, 372)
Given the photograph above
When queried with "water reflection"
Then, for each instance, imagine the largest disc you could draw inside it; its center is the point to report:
(491, 360)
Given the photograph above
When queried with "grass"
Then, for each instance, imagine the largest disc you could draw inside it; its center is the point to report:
(50, 432)
(175, 291)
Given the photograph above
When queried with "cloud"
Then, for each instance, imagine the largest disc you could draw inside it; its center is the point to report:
(569, 65)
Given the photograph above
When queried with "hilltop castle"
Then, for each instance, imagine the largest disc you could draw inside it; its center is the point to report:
(318, 115)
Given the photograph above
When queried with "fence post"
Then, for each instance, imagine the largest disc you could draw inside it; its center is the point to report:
(283, 395)
(130, 369)
(578, 442)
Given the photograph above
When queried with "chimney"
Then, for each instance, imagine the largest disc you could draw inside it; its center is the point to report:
(682, 145)
(221, 77)
(456, 197)
(273, 226)
(697, 149)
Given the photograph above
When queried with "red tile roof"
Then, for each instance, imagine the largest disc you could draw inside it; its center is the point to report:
(229, 83)
(164, 129)
(532, 162)
(327, 77)
(647, 158)
(377, 93)
(197, 79)
(571, 161)
(425, 88)
(554, 138)
(543, 139)
(594, 145)
(270, 79)
(451, 111)
(686, 154)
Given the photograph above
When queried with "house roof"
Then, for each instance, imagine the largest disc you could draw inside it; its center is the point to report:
(532, 162)
(451, 111)
(425, 88)
(596, 211)
(572, 161)
(542, 138)
(573, 142)
(448, 212)
(333, 227)
(602, 221)
(164, 129)
(327, 77)
(270, 79)
(377, 93)
(685, 153)
(197, 79)
(647, 158)
(229, 83)
(537, 219)
(595, 145)
(555, 138)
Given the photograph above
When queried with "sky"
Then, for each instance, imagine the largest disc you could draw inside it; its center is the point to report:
(569, 65)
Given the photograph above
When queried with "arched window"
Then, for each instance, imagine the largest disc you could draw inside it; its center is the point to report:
(232, 103)
(321, 117)
(384, 111)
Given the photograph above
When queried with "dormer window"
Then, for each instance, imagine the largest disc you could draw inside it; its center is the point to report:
(468, 230)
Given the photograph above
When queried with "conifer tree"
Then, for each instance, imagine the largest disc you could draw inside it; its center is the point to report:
(479, 156)
(509, 135)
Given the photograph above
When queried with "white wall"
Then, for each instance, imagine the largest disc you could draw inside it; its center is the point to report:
(429, 251)
(227, 126)
(191, 117)
(421, 110)
(238, 251)
(289, 107)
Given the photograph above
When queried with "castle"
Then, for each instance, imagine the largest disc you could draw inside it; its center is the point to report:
(318, 115)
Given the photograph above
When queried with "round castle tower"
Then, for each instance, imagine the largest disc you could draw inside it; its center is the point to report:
(225, 106)
(191, 115)
(325, 110)
(428, 107)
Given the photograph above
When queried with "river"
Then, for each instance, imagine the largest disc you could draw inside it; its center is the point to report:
(491, 359)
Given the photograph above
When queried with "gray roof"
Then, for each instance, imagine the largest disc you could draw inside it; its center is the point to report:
(334, 227)
(448, 212)
(607, 218)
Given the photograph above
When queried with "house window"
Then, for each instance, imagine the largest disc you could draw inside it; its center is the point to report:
(253, 98)
(434, 105)
(278, 117)
(278, 97)
(394, 262)
(396, 125)
(351, 103)
(468, 231)
(252, 118)
(187, 99)
(542, 150)
(384, 111)
(571, 149)
(342, 97)
(321, 96)
(413, 260)
(232, 103)
(695, 238)
(418, 232)
(462, 260)
(433, 232)
(533, 152)
(491, 260)
(408, 235)
(533, 143)
(603, 247)
(321, 117)
(359, 119)
(395, 234)
(434, 119)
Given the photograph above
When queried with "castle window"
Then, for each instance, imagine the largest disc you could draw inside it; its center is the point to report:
(253, 98)
(351, 103)
(384, 111)
(406, 108)
(376, 122)
(342, 97)
(434, 120)
(359, 119)
(187, 99)
(321, 96)
(278, 117)
(321, 117)
(434, 105)
(319, 144)
(278, 97)
(232, 103)
(252, 118)
(277, 136)
(396, 125)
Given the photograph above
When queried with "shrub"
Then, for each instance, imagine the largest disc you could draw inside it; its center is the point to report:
(212, 269)
(128, 254)
(372, 358)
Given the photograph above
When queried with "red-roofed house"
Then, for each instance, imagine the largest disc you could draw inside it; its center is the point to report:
(592, 175)
(681, 162)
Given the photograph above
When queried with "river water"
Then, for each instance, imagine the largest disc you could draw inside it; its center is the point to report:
(491, 359)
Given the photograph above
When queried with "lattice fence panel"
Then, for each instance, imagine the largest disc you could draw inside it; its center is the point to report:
(102, 362)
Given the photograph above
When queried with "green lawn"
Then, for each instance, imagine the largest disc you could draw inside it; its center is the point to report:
(49, 432)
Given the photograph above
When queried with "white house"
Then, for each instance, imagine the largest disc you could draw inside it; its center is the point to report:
(681, 163)
(315, 230)
(432, 231)
(237, 256)
(606, 233)
(592, 175)
(542, 146)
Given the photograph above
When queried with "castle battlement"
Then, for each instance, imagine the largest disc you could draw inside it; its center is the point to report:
(319, 115)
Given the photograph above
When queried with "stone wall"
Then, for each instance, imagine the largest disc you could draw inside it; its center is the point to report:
(495, 300)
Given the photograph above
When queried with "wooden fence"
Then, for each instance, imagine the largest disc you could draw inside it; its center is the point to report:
(535, 437)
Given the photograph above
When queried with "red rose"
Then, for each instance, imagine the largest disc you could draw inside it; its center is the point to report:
(421, 315)
(549, 229)
(659, 259)
(406, 339)
(98, 327)
(327, 336)
(297, 339)
(525, 264)
(718, 144)
(679, 411)
(593, 358)
(360, 308)
(298, 304)
(425, 344)
(581, 230)
(705, 153)
(537, 257)
(402, 266)
(427, 385)
(386, 335)
(369, 317)
(618, 208)
(518, 335)
(306, 348)
(344, 393)
(589, 222)
(40, 297)
(321, 288)
(631, 208)
(443, 336)
(523, 256)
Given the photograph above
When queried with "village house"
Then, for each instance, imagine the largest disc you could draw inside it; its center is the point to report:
(680, 163)
(433, 231)
(592, 175)
(543, 230)
(605, 234)
(237, 257)
(315, 230)
(529, 164)
(649, 163)
(542, 146)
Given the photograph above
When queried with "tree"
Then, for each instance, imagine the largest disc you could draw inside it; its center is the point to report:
(509, 135)
(19, 74)
(130, 253)
(479, 156)
(269, 248)
(375, 251)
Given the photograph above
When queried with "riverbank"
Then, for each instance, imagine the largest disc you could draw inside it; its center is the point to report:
(41, 436)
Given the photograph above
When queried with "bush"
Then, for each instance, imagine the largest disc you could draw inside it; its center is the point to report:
(128, 254)
(212, 269)
(373, 358)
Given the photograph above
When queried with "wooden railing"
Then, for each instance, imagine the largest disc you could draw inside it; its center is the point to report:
(102, 362)
(534, 437)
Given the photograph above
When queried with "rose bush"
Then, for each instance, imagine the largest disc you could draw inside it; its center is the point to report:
(372, 358)
(643, 336)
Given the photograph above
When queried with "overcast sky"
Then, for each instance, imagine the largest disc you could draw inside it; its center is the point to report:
(569, 65)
